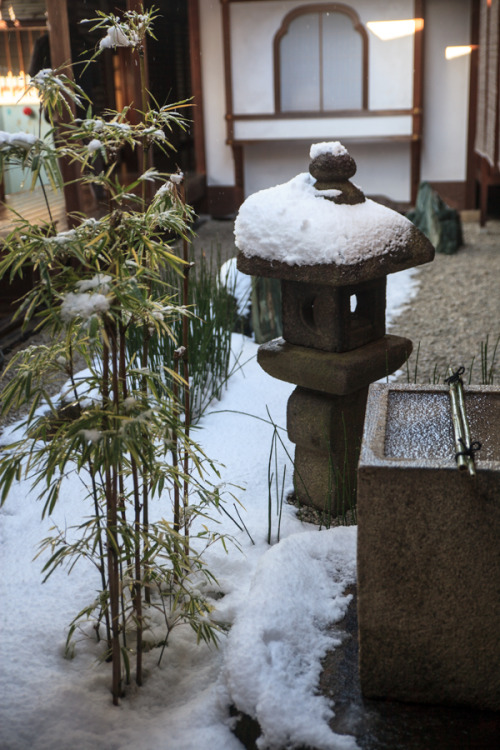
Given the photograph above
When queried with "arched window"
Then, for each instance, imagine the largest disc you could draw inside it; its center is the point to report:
(320, 59)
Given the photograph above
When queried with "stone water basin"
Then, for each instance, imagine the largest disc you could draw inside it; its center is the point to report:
(428, 549)
(419, 668)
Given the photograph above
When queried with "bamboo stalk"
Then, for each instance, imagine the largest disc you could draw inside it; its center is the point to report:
(145, 471)
(138, 592)
(461, 430)
(114, 583)
(145, 347)
(122, 381)
(175, 441)
(457, 428)
(121, 384)
(113, 531)
(465, 424)
(185, 361)
(102, 558)
(111, 489)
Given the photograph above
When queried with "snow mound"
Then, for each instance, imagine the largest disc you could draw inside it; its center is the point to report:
(274, 650)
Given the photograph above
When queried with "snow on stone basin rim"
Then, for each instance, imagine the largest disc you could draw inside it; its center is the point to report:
(294, 224)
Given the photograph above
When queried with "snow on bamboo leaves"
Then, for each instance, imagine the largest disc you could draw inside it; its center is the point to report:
(101, 288)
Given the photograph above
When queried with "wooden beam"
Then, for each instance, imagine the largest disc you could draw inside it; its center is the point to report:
(228, 73)
(60, 47)
(134, 76)
(196, 86)
(238, 153)
(418, 98)
(470, 190)
(60, 55)
(134, 93)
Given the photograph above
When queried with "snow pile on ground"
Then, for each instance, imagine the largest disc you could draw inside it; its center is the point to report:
(238, 284)
(275, 647)
(401, 288)
(295, 224)
(280, 599)
(51, 703)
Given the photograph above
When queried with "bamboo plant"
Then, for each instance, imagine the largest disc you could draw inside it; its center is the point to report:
(101, 285)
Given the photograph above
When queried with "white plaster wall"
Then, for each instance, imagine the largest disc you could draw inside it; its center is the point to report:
(446, 92)
(323, 127)
(254, 25)
(268, 164)
(391, 61)
(219, 157)
(383, 169)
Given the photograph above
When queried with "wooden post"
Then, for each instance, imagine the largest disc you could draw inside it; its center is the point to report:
(470, 185)
(60, 54)
(196, 85)
(418, 85)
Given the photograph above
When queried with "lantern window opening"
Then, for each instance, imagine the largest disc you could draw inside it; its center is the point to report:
(307, 313)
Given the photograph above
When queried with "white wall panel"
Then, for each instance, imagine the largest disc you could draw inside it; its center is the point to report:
(219, 157)
(330, 128)
(446, 92)
(383, 168)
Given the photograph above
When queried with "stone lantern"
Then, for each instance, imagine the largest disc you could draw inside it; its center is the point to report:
(332, 249)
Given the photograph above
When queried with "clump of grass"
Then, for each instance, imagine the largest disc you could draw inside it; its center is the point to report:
(488, 361)
(340, 501)
(213, 318)
(279, 486)
(485, 374)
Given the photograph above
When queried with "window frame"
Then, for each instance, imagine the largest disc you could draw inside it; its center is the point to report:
(283, 30)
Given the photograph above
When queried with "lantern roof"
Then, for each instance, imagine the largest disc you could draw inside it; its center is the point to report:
(320, 228)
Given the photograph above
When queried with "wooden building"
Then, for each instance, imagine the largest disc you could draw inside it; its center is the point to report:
(173, 71)
(395, 80)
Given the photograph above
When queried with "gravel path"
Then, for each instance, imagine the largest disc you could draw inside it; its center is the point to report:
(457, 307)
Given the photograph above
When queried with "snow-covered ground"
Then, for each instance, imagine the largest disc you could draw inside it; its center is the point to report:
(278, 598)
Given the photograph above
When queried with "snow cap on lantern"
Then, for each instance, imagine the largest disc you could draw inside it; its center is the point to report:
(327, 243)
(321, 219)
